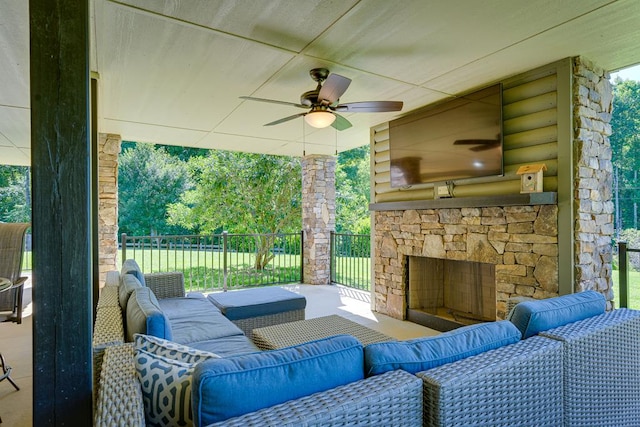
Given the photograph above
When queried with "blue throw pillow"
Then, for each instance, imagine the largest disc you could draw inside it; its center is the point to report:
(533, 317)
(229, 387)
(420, 354)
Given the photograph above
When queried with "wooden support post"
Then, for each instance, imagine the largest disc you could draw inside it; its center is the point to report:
(61, 167)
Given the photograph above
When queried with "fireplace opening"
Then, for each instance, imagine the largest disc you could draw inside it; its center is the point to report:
(445, 294)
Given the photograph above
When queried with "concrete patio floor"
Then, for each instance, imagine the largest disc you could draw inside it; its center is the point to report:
(322, 300)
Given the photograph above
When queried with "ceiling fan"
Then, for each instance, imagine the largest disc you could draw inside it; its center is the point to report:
(322, 102)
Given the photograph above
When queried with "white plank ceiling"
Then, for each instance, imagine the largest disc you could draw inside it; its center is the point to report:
(172, 71)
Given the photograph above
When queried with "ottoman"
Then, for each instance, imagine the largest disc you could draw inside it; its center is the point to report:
(255, 308)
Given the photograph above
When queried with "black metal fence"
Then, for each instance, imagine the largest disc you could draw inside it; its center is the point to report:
(220, 261)
(351, 260)
(624, 255)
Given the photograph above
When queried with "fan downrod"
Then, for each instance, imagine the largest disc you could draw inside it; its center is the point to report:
(319, 74)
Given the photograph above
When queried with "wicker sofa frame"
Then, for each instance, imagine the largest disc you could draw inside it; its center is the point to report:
(394, 398)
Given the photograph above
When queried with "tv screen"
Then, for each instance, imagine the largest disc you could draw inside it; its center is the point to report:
(458, 139)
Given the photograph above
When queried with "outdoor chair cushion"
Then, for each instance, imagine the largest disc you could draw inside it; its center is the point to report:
(228, 387)
(128, 283)
(227, 346)
(131, 266)
(187, 330)
(533, 317)
(248, 303)
(422, 354)
(186, 307)
(144, 316)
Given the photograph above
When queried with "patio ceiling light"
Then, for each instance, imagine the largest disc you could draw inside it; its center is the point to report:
(319, 118)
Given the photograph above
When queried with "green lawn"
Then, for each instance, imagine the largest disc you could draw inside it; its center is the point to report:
(634, 289)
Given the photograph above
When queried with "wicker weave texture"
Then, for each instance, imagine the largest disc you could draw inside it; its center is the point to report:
(119, 401)
(515, 385)
(166, 285)
(294, 333)
(602, 369)
(251, 323)
(391, 399)
(108, 297)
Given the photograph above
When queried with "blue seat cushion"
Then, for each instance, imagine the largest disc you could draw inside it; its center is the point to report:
(144, 316)
(425, 353)
(249, 303)
(229, 387)
(187, 307)
(533, 317)
(227, 346)
(188, 330)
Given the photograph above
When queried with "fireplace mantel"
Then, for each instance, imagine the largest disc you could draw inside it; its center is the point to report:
(546, 198)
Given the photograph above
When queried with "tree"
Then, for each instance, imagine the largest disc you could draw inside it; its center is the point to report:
(353, 184)
(149, 180)
(15, 194)
(625, 145)
(242, 193)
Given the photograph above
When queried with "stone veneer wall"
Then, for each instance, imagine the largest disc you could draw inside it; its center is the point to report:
(522, 241)
(318, 216)
(593, 171)
(108, 150)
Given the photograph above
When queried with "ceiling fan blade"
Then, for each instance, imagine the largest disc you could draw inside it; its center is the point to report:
(369, 107)
(340, 123)
(273, 101)
(333, 88)
(286, 119)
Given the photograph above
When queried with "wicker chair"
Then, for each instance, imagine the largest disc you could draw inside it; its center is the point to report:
(11, 250)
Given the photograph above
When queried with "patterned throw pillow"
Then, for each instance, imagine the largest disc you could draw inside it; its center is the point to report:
(170, 349)
(166, 389)
(164, 370)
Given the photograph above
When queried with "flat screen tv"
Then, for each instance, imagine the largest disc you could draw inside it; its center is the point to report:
(458, 139)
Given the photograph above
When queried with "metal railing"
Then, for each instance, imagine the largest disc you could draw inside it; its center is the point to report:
(220, 261)
(351, 260)
(623, 272)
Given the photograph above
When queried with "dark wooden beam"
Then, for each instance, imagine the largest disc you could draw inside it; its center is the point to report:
(61, 167)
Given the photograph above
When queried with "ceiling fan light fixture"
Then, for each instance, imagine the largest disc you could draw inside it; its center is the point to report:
(319, 119)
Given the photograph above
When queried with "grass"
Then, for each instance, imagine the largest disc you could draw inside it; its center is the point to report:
(634, 289)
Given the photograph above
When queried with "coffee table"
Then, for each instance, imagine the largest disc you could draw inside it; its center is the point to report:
(301, 331)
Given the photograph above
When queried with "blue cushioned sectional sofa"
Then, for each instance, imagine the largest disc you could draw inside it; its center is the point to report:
(562, 361)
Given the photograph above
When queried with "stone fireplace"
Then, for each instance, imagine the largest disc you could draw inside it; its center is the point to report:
(540, 245)
(458, 292)
(514, 245)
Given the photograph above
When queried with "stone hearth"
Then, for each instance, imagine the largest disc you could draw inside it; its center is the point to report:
(521, 241)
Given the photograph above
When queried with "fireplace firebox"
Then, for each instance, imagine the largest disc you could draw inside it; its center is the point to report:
(445, 294)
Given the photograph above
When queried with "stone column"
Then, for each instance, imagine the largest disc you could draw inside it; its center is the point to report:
(108, 150)
(593, 172)
(318, 216)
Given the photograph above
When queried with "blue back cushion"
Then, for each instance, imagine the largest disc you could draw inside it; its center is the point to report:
(425, 353)
(128, 283)
(144, 316)
(229, 387)
(130, 266)
(533, 317)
